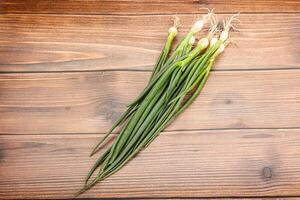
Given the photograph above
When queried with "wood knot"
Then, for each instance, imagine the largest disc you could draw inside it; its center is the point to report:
(201, 2)
(1, 155)
(227, 101)
(267, 172)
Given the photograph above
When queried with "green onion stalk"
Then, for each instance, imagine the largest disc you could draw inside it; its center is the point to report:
(164, 61)
(176, 81)
(172, 32)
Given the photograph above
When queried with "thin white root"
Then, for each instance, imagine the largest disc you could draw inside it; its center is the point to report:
(207, 9)
(176, 21)
(230, 42)
(214, 29)
(199, 23)
(228, 24)
(209, 15)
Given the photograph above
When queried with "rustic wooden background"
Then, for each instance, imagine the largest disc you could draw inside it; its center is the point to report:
(68, 68)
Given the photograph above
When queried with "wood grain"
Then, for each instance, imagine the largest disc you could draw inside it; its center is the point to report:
(146, 6)
(84, 60)
(45, 103)
(227, 163)
(238, 198)
(31, 43)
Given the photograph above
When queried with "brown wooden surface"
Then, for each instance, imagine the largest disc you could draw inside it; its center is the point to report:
(178, 164)
(89, 102)
(75, 43)
(68, 68)
(146, 6)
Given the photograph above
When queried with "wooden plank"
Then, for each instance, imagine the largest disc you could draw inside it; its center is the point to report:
(73, 43)
(237, 198)
(226, 163)
(146, 6)
(43, 103)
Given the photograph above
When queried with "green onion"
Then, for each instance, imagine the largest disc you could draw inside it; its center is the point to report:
(168, 93)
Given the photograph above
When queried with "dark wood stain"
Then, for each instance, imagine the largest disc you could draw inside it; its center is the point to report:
(267, 172)
(228, 101)
(2, 154)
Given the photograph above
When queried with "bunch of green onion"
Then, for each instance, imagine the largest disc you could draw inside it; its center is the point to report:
(177, 79)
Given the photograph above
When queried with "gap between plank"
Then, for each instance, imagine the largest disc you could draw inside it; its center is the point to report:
(143, 70)
(182, 198)
(147, 14)
(166, 131)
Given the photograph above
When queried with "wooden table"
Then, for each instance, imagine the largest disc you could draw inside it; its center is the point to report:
(69, 67)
